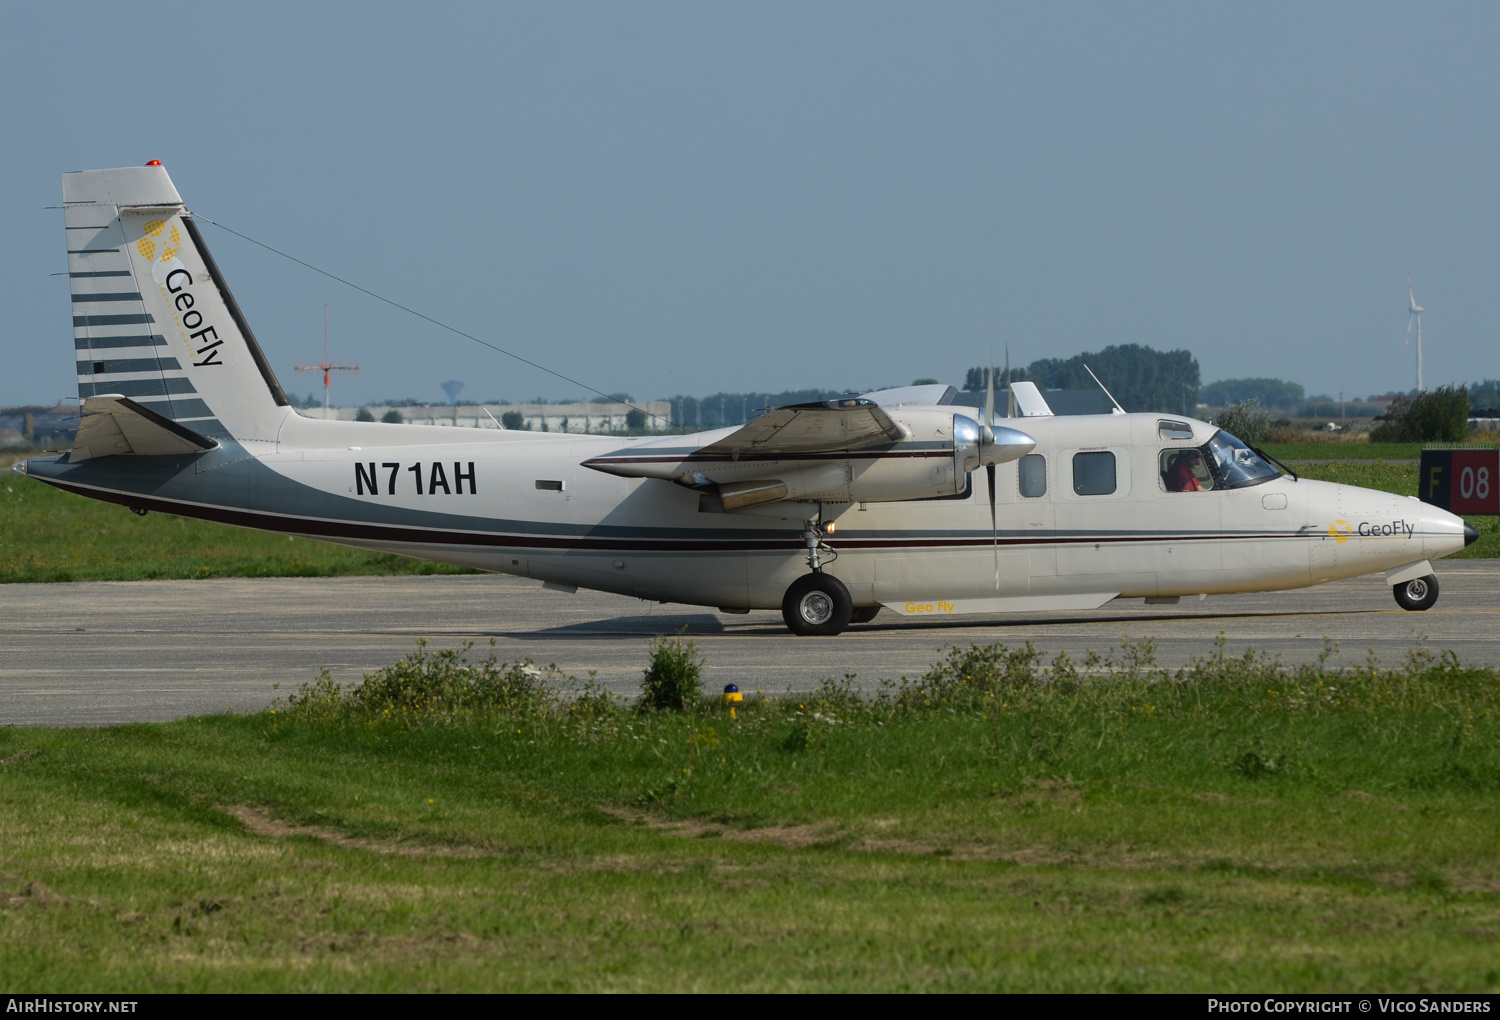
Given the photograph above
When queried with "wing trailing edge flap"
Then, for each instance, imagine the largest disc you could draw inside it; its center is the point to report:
(113, 425)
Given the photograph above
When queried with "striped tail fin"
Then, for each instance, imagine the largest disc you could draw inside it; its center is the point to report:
(152, 317)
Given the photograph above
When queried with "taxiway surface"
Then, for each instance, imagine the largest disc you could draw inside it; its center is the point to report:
(98, 653)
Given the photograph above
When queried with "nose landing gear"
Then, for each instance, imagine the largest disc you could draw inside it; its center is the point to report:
(1418, 594)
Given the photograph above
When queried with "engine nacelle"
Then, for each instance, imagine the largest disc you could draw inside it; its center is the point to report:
(938, 450)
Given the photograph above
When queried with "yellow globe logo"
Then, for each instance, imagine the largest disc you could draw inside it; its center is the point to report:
(170, 245)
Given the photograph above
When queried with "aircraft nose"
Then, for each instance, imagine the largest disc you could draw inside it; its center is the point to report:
(1471, 534)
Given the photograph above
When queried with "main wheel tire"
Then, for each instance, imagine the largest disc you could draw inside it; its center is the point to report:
(864, 614)
(817, 604)
(1416, 595)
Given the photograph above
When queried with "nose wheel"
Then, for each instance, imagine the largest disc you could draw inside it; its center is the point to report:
(1418, 594)
(817, 604)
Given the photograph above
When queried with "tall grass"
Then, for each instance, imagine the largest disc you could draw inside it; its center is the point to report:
(1005, 820)
(1426, 723)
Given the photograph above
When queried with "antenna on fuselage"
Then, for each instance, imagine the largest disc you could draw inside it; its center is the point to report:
(1118, 409)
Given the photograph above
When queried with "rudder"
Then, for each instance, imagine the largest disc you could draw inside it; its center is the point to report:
(152, 317)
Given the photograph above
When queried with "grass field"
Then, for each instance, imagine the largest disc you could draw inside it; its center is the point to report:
(1344, 451)
(1235, 827)
(50, 535)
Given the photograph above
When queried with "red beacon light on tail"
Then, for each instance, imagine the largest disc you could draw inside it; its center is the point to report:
(154, 162)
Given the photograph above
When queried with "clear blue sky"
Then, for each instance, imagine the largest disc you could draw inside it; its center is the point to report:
(683, 198)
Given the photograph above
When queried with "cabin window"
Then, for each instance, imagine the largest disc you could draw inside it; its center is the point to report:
(1032, 471)
(1173, 429)
(1185, 470)
(1094, 473)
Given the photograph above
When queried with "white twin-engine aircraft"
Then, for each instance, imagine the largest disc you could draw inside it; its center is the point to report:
(826, 511)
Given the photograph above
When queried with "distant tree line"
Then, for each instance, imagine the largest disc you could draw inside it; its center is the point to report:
(1437, 416)
(1265, 392)
(1484, 398)
(1288, 397)
(1140, 378)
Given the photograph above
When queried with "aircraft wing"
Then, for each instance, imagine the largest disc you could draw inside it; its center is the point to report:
(831, 426)
(114, 425)
(848, 450)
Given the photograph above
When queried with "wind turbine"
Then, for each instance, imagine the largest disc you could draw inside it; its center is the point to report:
(1414, 316)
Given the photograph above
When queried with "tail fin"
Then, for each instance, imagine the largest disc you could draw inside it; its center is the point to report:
(152, 317)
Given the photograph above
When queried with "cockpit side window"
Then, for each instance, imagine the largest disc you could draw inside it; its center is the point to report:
(1185, 470)
(1235, 465)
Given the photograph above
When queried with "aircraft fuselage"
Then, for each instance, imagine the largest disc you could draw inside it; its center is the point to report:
(523, 503)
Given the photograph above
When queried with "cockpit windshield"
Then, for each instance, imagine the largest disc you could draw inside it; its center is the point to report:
(1235, 465)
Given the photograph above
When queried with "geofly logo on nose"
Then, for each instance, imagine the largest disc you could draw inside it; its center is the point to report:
(1341, 531)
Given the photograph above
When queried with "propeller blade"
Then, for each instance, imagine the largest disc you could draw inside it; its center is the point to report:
(989, 470)
(989, 394)
(1010, 398)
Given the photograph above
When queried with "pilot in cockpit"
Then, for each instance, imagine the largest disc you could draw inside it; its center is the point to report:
(1185, 471)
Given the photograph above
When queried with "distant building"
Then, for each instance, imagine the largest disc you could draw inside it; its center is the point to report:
(579, 418)
(50, 428)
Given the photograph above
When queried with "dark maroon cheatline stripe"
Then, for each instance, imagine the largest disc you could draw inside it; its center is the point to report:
(325, 528)
(751, 458)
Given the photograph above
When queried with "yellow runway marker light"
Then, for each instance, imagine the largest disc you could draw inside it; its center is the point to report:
(731, 697)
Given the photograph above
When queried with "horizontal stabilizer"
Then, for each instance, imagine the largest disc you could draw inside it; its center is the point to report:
(832, 426)
(114, 425)
(1029, 400)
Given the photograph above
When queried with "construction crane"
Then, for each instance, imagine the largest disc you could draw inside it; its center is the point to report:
(325, 366)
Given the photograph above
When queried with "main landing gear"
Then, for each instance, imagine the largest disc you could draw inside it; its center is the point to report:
(817, 603)
(1416, 595)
